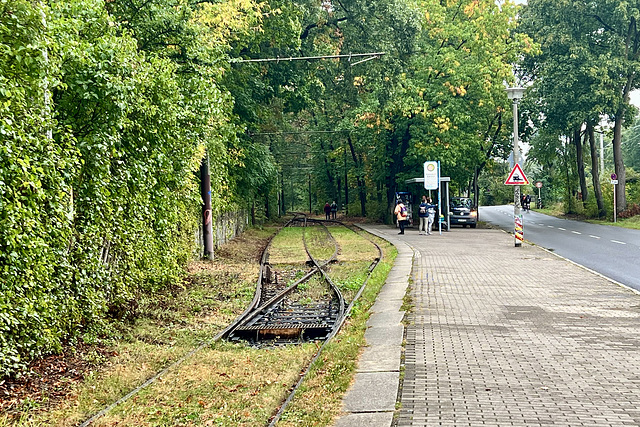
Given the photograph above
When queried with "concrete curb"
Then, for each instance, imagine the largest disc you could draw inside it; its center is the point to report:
(371, 399)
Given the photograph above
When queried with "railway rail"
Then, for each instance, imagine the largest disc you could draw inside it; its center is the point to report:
(281, 313)
(284, 314)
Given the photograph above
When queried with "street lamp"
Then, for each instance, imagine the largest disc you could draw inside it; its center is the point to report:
(515, 94)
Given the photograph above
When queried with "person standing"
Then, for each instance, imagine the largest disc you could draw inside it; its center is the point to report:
(431, 211)
(401, 215)
(334, 210)
(423, 214)
(327, 210)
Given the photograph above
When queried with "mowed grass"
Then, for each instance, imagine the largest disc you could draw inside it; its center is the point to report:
(287, 247)
(319, 243)
(172, 324)
(318, 401)
(223, 384)
(631, 223)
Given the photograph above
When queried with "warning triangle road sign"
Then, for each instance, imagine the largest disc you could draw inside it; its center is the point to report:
(516, 177)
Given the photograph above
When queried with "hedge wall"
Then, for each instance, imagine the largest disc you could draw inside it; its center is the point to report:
(100, 142)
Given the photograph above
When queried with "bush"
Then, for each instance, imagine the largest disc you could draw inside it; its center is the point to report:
(98, 207)
(630, 211)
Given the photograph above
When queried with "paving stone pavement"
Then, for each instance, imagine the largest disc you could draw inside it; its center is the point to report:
(506, 336)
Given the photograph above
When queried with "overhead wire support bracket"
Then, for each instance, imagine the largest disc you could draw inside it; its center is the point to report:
(369, 56)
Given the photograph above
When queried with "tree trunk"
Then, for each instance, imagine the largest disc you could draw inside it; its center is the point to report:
(577, 139)
(476, 196)
(566, 156)
(267, 208)
(595, 170)
(253, 213)
(397, 150)
(362, 190)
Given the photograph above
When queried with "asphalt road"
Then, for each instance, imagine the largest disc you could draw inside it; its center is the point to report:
(611, 251)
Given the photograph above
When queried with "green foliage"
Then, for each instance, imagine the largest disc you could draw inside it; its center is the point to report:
(105, 117)
(584, 74)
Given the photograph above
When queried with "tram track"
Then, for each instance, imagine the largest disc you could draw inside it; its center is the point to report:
(290, 316)
(320, 322)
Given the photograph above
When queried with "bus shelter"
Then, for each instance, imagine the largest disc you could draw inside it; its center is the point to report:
(443, 197)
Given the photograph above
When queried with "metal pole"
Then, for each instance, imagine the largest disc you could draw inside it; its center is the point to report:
(207, 223)
(309, 194)
(346, 186)
(615, 209)
(516, 158)
(602, 150)
(439, 200)
(448, 207)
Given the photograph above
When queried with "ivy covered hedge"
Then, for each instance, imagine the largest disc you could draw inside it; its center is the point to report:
(101, 137)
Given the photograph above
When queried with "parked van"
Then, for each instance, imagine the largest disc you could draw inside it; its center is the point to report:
(462, 212)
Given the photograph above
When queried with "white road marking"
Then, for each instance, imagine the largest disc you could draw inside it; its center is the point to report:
(575, 232)
(618, 242)
(563, 229)
(595, 237)
(550, 226)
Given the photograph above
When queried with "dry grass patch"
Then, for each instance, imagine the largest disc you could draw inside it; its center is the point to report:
(171, 324)
(287, 247)
(319, 399)
(319, 242)
(226, 385)
(353, 247)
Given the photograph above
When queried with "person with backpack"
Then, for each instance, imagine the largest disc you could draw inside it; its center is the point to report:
(423, 214)
(334, 210)
(427, 213)
(401, 215)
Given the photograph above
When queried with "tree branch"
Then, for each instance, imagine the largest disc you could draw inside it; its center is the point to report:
(310, 27)
(600, 20)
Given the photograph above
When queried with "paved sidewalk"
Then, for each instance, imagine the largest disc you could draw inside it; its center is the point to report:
(502, 336)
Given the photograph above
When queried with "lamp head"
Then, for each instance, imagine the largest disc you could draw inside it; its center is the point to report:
(515, 92)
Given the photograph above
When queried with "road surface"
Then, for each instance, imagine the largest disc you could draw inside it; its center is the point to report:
(611, 251)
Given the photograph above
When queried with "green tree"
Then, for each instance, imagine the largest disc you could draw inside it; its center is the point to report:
(595, 54)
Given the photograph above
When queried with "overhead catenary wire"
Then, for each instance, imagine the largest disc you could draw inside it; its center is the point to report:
(372, 55)
(301, 132)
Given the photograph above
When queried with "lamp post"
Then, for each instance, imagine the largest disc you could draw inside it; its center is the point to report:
(515, 94)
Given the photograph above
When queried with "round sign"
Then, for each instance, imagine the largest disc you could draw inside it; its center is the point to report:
(431, 167)
(614, 176)
(538, 184)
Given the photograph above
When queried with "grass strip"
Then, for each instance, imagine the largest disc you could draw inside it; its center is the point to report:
(224, 384)
(318, 401)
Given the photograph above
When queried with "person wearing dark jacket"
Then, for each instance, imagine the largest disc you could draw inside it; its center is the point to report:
(327, 210)
(426, 213)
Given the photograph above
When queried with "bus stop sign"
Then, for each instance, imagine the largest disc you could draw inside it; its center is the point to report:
(431, 176)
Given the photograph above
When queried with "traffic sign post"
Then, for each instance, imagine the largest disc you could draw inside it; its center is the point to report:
(517, 178)
(539, 186)
(515, 94)
(432, 182)
(614, 181)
